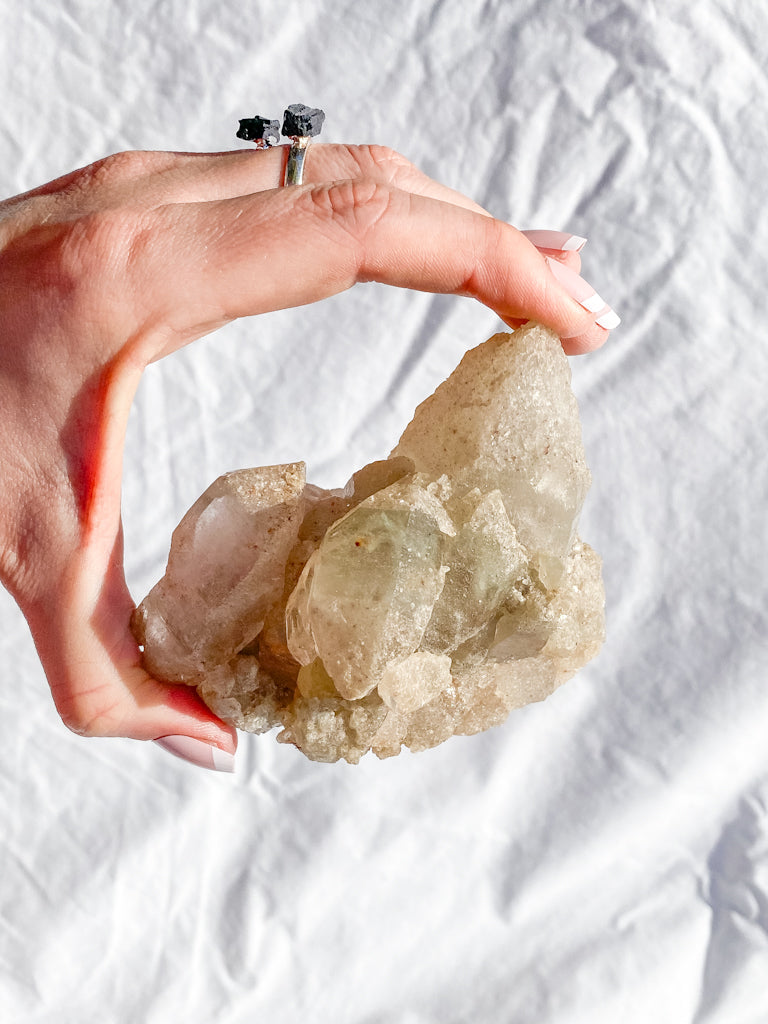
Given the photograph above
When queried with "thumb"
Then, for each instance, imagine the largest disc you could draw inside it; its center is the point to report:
(93, 665)
(75, 598)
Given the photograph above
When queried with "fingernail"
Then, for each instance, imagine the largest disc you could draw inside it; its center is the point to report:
(197, 752)
(576, 286)
(608, 320)
(561, 240)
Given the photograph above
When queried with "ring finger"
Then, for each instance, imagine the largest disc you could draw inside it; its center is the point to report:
(204, 177)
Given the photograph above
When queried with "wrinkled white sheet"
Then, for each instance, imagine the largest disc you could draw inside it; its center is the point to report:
(603, 856)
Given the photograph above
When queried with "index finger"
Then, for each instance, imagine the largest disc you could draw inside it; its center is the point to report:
(217, 261)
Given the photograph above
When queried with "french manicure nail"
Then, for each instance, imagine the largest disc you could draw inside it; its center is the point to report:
(608, 320)
(576, 286)
(197, 752)
(560, 240)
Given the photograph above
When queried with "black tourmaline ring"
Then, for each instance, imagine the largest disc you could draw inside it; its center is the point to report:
(300, 125)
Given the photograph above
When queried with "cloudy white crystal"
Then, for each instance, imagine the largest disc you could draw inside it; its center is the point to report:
(507, 420)
(225, 570)
(441, 588)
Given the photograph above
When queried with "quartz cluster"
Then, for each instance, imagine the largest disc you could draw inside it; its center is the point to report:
(439, 589)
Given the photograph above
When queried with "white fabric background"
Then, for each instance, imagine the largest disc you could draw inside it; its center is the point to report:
(603, 856)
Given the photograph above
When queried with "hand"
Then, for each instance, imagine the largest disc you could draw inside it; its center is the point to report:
(118, 264)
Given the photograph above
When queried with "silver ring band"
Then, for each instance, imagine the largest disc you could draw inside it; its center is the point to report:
(294, 168)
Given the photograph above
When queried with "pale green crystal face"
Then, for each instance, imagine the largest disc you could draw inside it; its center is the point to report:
(487, 565)
(370, 589)
(437, 591)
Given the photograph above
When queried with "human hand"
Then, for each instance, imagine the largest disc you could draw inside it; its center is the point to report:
(120, 263)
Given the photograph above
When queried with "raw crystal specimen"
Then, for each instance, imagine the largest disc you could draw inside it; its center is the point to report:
(259, 129)
(439, 589)
(301, 121)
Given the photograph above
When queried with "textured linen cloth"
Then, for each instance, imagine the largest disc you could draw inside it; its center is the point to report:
(601, 857)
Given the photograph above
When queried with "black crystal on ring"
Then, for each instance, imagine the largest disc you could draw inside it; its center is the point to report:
(302, 122)
(259, 129)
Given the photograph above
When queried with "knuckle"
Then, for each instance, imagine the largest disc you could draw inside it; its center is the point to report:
(72, 244)
(98, 240)
(81, 257)
(386, 157)
(355, 206)
(76, 271)
(116, 169)
(481, 254)
(381, 162)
